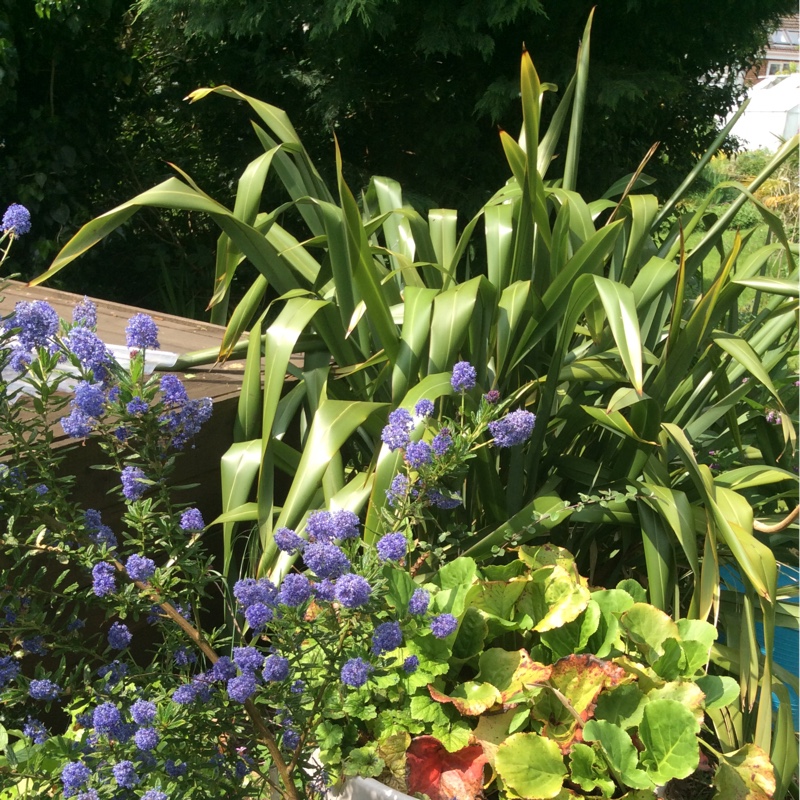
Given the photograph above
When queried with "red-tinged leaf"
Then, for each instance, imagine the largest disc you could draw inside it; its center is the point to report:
(442, 775)
(511, 671)
(578, 680)
(582, 677)
(471, 698)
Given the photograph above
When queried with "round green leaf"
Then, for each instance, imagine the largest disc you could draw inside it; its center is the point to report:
(472, 632)
(531, 766)
(649, 627)
(720, 690)
(669, 733)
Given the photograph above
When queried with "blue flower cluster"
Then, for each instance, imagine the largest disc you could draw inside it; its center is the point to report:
(276, 668)
(295, 590)
(326, 560)
(256, 599)
(143, 712)
(173, 390)
(44, 689)
(397, 434)
(119, 637)
(36, 323)
(140, 568)
(330, 526)
(35, 731)
(183, 422)
(192, 520)
(418, 604)
(16, 220)
(73, 776)
(88, 406)
(386, 637)
(418, 454)
(288, 541)
(355, 672)
(443, 625)
(464, 377)
(392, 547)
(103, 579)
(134, 483)
(84, 315)
(513, 429)
(352, 590)
(141, 333)
(89, 350)
(99, 533)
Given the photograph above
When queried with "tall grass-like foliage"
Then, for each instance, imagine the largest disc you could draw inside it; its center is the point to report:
(665, 423)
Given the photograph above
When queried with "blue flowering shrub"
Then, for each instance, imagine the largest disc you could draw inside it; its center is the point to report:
(107, 666)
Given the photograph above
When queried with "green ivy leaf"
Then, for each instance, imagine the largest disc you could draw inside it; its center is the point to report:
(503, 572)
(471, 635)
(386, 681)
(552, 598)
(455, 736)
(746, 774)
(496, 599)
(546, 555)
(648, 628)
(634, 589)
(469, 698)
(574, 636)
(612, 603)
(357, 705)
(686, 693)
(364, 762)
(669, 733)
(392, 749)
(510, 671)
(697, 638)
(458, 573)
(531, 766)
(399, 587)
(672, 664)
(328, 735)
(398, 721)
(427, 710)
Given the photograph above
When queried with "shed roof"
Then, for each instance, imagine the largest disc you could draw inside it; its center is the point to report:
(220, 381)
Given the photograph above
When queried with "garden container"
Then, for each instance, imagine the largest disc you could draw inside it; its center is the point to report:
(366, 789)
(786, 652)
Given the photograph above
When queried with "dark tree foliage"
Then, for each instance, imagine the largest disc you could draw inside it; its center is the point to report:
(416, 89)
(92, 108)
(91, 103)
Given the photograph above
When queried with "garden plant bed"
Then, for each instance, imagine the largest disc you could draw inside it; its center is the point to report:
(479, 557)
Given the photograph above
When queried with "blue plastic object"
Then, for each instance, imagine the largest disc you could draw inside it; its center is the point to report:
(786, 652)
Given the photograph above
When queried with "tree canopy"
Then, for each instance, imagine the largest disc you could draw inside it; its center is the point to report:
(91, 98)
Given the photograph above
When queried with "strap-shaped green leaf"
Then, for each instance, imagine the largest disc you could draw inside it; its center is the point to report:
(364, 270)
(452, 312)
(620, 307)
(238, 469)
(334, 422)
(417, 312)
(248, 410)
(578, 107)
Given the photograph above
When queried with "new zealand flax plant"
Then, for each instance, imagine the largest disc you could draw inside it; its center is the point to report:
(666, 419)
